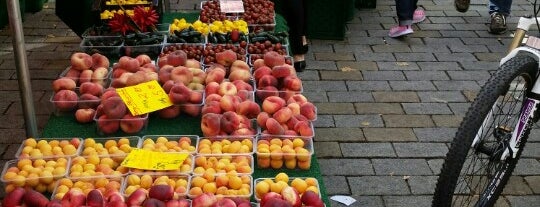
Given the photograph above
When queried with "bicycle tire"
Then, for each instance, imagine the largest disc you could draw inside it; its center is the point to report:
(521, 66)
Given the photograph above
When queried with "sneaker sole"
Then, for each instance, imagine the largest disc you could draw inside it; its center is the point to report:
(401, 34)
(418, 21)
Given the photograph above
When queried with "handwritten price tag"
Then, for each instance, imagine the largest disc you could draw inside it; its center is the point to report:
(231, 6)
(144, 98)
(150, 160)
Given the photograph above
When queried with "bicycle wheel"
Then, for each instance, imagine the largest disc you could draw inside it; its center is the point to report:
(476, 175)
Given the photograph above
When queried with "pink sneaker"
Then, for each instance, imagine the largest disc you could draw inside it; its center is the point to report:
(419, 15)
(398, 31)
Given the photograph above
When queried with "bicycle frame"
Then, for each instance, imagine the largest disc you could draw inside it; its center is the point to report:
(531, 104)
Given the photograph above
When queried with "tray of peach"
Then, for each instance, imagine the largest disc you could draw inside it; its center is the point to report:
(39, 174)
(80, 188)
(292, 117)
(107, 146)
(49, 147)
(229, 185)
(85, 67)
(301, 191)
(289, 152)
(225, 145)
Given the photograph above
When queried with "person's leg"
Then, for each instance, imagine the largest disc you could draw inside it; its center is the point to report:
(500, 6)
(499, 10)
(404, 10)
(296, 20)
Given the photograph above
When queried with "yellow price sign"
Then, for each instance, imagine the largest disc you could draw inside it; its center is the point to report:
(150, 160)
(144, 98)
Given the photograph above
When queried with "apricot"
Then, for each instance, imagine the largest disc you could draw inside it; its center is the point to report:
(198, 181)
(263, 162)
(235, 182)
(195, 191)
(261, 188)
(133, 180)
(313, 188)
(299, 184)
(31, 142)
(290, 164)
(209, 188)
(304, 165)
(276, 164)
(146, 181)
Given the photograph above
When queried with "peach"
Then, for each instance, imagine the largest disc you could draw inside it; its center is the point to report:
(143, 59)
(161, 192)
(150, 76)
(164, 73)
(129, 64)
(95, 198)
(272, 104)
(192, 110)
(258, 64)
(310, 198)
(99, 75)
(249, 109)
(74, 197)
(14, 198)
(211, 88)
(261, 71)
(108, 93)
(308, 110)
(291, 195)
(210, 124)
(149, 67)
(106, 125)
(295, 108)
(226, 58)
(135, 78)
(85, 115)
(169, 112)
(63, 84)
(229, 121)
(273, 58)
(267, 80)
(215, 75)
(73, 74)
(86, 76)
(261, 119)
(196, 97)
(204, 200)
(179, 94)
(87, 101)
(114, 107)
(297, 98)
(177, 58)
(243, 75)
(192, 63)
(211, 107)
(34, 198)
(65, 100)
(274, 127)
(116, 73)
(229, 102)
(281, 71)
(292, 83)
(91, 88)
(304, 128)
(81, 61)
(137, 197)
(196, 86)
(242, 85)
(282, 115)
(227, 88)
(264, 92)
(131, 124)
(181, 74)
(162, 61)
(99, 60)
(199, 76)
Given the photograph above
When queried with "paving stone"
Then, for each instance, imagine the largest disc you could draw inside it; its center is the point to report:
(358, 121)
(399, 97)
(336, 185)
(367, 85)
(468, 48)
(452, 33)
(516, 186)
(356, 65)
(378, 185)
(527, 167)
(378, 108)
(356, 96)
(455, 56)
(459, 108)
(370, 56)
(341, 75)
(426, 48)
(365, 40)
(319, 86)
(533, 183)
(335, 108)
(440, 65)
(426, 108)
(324, 121)
(438, 134)
(361, 201)
(11, 150)
(389, 134)
(321, 65)
(479, 65)
(469, 75)
(435, 165)
(348, 167)
(425, 75)
(490, 56)
(447, 120)
(316, 97)
(327, 149)
(524, 201)
(399, 66)
(441, 96)
(443, 41)
(420, 149)
(407, 121)
(479, 41)
(412, 85)
(369, 150)
(391, 48)
(456, 85)
(11, 122)
(422, 185)
(309, 75)
(334, 56)
(339, 134)
(407, 201)
(414, 56)
(401, 167)
(383, 75)
(357, 48)
(530, 150)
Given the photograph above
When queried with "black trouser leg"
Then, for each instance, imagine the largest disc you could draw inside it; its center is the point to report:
(295, 14)
(405, 10)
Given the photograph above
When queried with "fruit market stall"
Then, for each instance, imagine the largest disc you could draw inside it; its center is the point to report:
(182, 111)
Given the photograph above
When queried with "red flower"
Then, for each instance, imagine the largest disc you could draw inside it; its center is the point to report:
(120, 23)
(145, 18)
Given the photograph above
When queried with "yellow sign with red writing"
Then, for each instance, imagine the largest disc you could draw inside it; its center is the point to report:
(144, 98)
(150, 160)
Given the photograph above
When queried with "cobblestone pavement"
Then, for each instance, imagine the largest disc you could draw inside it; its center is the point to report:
(388, 108)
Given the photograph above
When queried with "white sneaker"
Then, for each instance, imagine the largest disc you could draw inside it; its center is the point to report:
(419, 15)
(398, 31)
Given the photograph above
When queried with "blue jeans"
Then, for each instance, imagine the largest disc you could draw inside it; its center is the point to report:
(501, 6)
(405, 10)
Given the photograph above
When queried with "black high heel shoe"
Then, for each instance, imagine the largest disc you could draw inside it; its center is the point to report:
(299, 66)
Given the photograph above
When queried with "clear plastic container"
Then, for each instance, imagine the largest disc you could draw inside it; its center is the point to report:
(131, 126)
(263, 27)
(152, 50)
(103, 81)
(109, 46)
(35, 147)
(97, 166)
(110, 146)
(226, 145)
(179, 182)
(187, 47)
(233, 163)
(63, 107)
(284, 152)
(185, 168)
(236, 185)
(170, 143)
(311, 181)
(103, 184)
(252, 57)
(39, 174)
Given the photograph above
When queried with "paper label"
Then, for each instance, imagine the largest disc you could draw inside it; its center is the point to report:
(231, 6)
(144, 98)
(150, 160)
